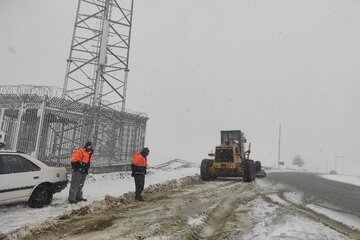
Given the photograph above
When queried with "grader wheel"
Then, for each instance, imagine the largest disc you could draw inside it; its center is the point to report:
(257, 166)
(206, 164)
(248, 170)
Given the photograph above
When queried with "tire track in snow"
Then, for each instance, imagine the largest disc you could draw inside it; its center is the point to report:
(214, 225)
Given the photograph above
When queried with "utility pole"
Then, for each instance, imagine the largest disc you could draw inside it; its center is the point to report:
(342, 163)
(327, 165)
(336, 157)
(279, 163)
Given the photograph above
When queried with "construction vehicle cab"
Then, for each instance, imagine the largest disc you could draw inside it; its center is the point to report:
(230, 159)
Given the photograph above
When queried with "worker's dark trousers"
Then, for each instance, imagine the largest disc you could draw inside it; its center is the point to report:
(77, 184)
(139, 184)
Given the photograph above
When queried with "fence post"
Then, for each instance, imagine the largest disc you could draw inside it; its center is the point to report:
(40, 128)
(18, 126)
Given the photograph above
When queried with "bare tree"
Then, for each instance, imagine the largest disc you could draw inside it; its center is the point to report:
(298, 161)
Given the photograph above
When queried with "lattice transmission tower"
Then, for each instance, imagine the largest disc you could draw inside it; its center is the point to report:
(98, 64)
(50, 123)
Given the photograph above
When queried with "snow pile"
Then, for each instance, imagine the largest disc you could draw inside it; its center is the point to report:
(275, 198)
(353, 180)
(268, 186)
(294, 197)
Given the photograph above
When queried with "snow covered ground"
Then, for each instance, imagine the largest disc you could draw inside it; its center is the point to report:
(96, 187)
(279, 224)
(271, 223)
(344, 218)
(281, 170)
(297, 198)
(353, 180)
(347, 219)
(269, 219)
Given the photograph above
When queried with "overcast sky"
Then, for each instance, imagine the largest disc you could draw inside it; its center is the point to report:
(198, 67)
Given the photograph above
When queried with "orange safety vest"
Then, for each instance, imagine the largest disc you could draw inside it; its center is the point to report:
(139, 160)
(81, 155)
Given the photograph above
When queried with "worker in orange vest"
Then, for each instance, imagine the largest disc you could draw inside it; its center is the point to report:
(80, 164)
(138, 171)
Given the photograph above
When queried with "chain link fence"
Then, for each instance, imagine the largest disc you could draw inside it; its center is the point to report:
(37, 121)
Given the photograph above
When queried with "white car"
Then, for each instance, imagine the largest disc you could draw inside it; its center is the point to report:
(26, 179)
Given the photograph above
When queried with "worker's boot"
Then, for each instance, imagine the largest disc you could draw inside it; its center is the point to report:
(139, 198)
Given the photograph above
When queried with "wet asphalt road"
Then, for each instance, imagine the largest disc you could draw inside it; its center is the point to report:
(320, 191)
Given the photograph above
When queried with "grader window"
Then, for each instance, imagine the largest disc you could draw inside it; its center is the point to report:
(224, 154)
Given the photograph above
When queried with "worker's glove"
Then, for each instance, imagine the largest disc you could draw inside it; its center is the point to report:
(83, 167)
(80, 169)
(74, 166)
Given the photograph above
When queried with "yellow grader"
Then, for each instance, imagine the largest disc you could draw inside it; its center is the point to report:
(231, 159)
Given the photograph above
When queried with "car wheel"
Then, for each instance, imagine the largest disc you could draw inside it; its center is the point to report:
(41, 197)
